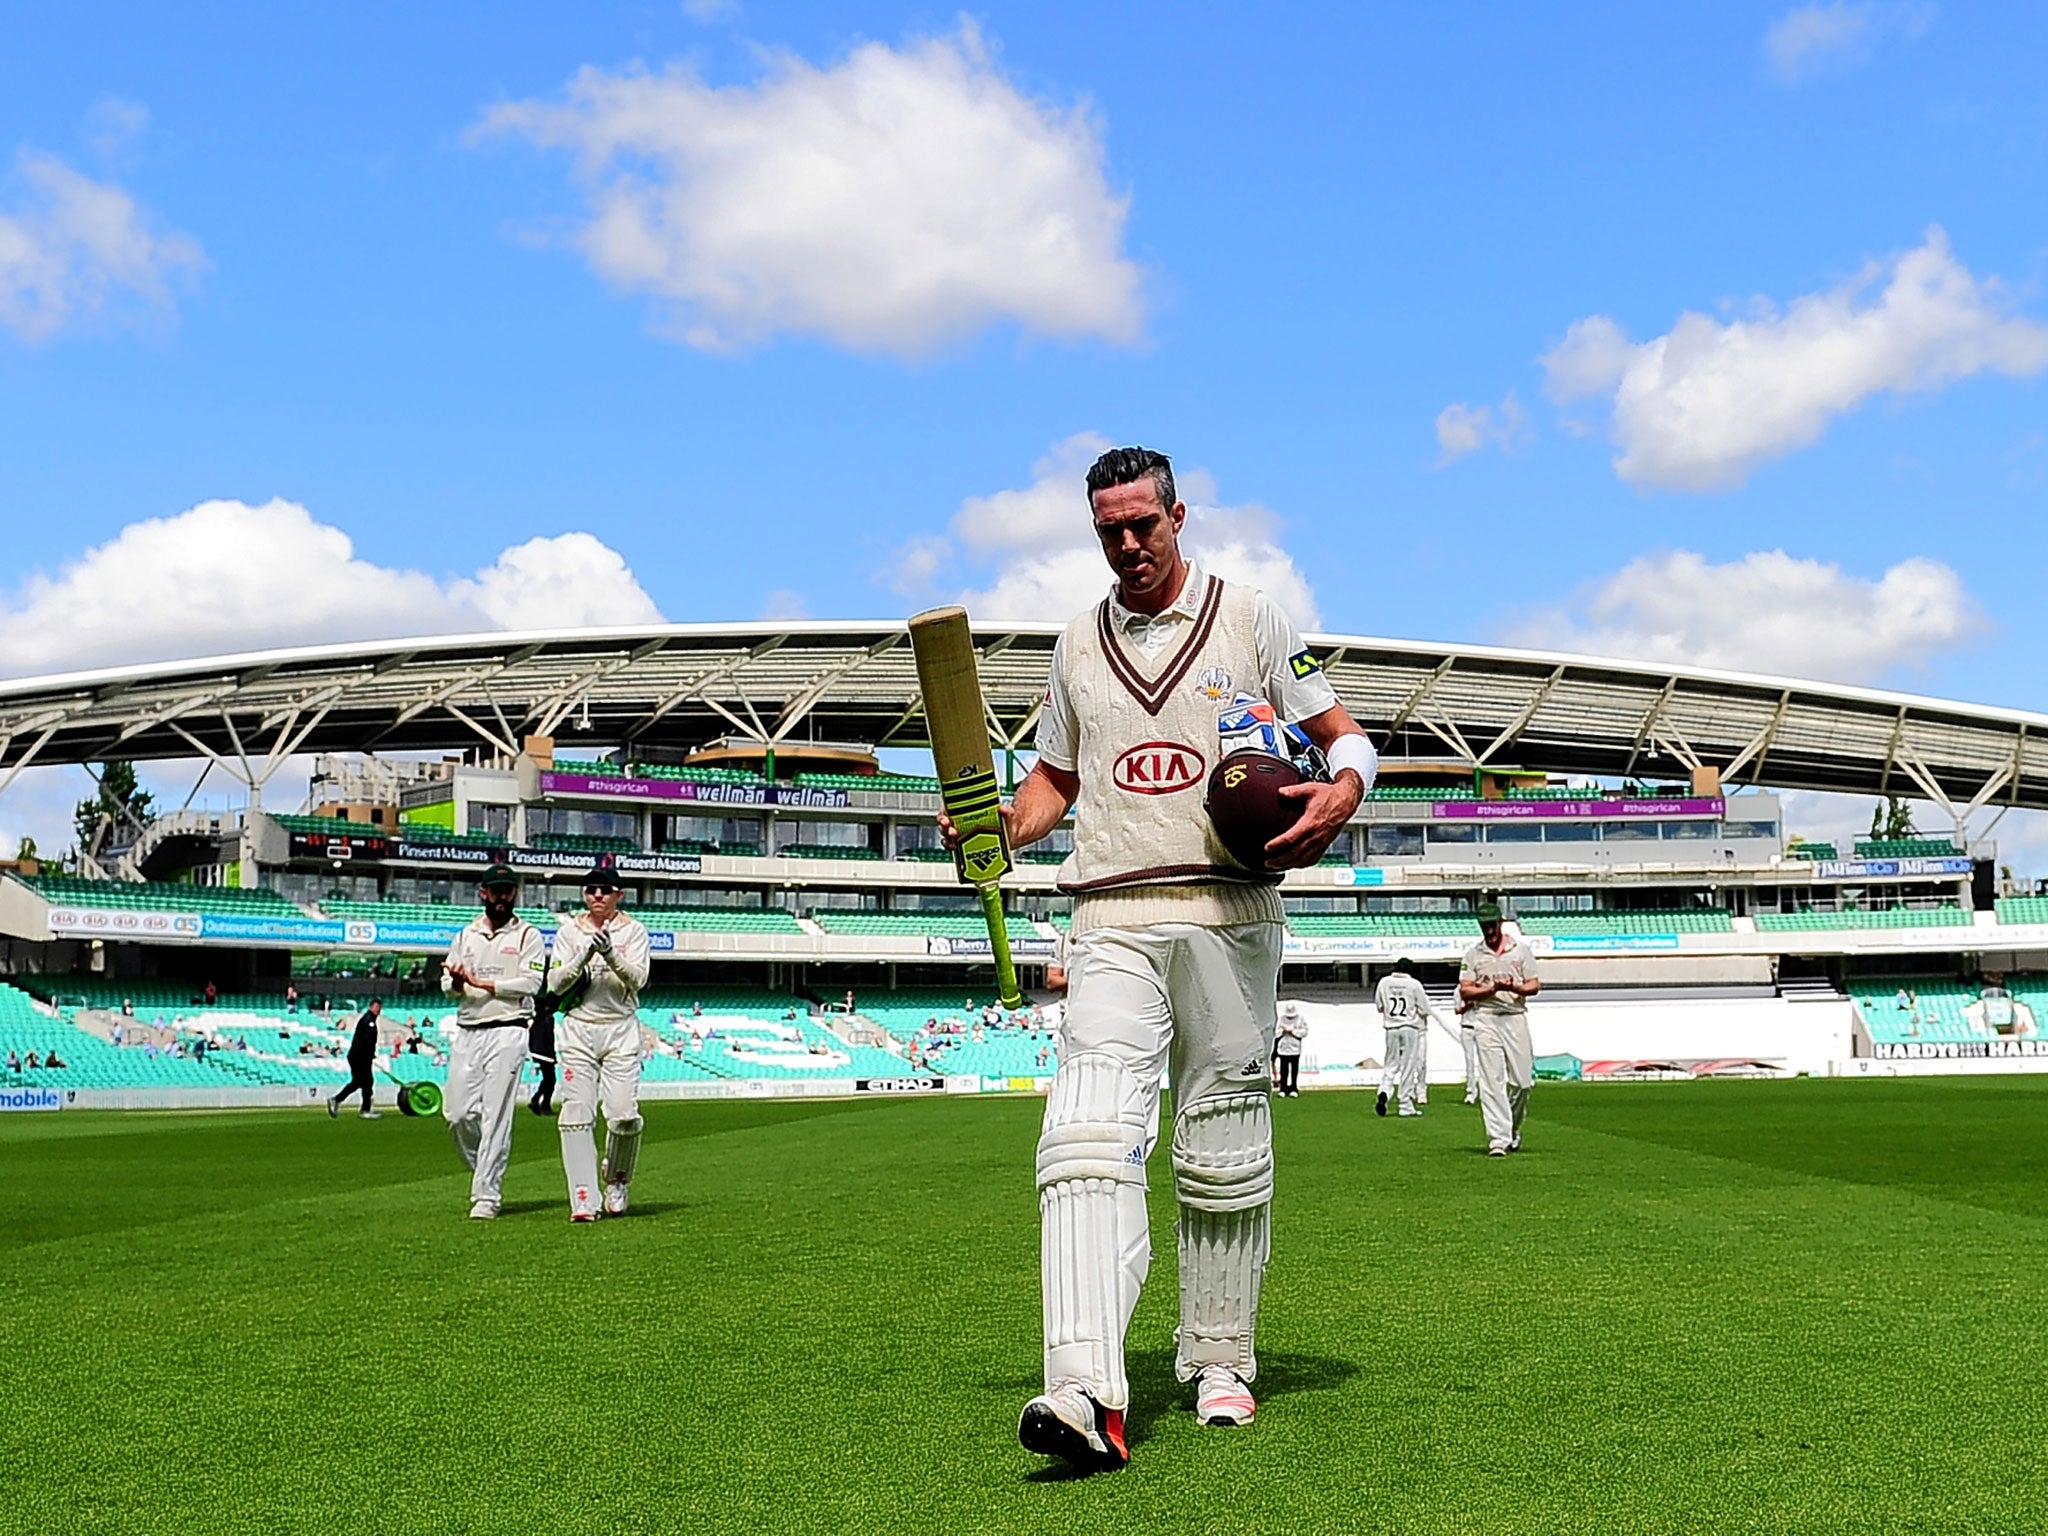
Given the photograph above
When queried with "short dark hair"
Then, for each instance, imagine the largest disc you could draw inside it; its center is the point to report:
(1126, 466)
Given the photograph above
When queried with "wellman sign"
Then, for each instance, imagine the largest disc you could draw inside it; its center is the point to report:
(689, 792)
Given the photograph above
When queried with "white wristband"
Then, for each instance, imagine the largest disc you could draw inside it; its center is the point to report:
(1353, 751)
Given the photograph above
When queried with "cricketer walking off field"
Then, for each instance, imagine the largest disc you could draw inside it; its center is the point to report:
(1496, 982)
(599, 965)
(1406, 1013)
(493, 969)
(1174, 957)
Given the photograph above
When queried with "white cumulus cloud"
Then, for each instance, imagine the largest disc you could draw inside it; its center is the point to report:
(227, 576)
(1033, 551)
(1766, 612)
(1703, 405)
(896, 201)
(1463, 428)
(74, 251)
(1813, 39)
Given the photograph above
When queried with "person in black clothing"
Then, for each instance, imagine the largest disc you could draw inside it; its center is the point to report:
(540, 1045)
(362, 1051)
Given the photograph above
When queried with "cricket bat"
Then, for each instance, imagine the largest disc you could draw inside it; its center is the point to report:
(946, 675)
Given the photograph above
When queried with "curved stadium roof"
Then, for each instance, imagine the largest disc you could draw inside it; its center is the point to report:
(677, 686)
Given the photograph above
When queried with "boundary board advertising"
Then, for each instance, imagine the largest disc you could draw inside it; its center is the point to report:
(555, 782)
(1956, 1050)
(1864, 869)
(1631, 809)
(944, 945)
(102, 922)
(899, 1085)
(13, 1099)
(550, 858)
(307, 931)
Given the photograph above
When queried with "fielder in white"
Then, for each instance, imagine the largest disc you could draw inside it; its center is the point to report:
(1496, 981)
(599, 966)
(494, 969)
(1406, 1013)
(1174, 957)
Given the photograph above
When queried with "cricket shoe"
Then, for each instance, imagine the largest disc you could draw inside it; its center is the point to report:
(484, 1210)
(333, 1110)
(1222, 1398)
(1379, 1105)
(1496, 1151)
(1409, 1112)
(614, 1191)
(373, 1114)
(583, 1204)
(1066, 1422)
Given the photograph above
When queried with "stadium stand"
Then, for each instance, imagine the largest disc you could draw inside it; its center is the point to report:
(904, 783)
(1405, 925)
(1881, 917)
(1933, 1012)
(917, 925)
(1673, 920)
(445, 837)
(159, 896)
(2023, 909)
(1812, 851)
(582, 842)
(717, 920)
(1907, 848)
(455, 912)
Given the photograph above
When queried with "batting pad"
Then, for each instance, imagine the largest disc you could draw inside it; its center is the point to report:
(1222, 1262)
(579, 1155)
(1095, 1240)
(622, 1147)
(1223, 1153)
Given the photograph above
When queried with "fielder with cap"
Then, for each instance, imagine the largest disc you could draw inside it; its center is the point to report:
(1406, 1013)
(1173, 958)
(600, 963)
(1496, 982)
(494, 970)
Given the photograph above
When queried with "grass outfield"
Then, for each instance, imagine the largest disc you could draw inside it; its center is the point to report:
(1720, 1307)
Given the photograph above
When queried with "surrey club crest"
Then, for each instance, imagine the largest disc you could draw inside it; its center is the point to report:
(1213, 683)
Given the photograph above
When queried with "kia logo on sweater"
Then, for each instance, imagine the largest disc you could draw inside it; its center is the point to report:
(1158, 768)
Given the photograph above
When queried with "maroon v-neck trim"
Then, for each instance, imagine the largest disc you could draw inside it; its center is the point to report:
(1153, 693)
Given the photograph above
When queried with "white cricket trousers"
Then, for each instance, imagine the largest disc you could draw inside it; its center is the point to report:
(1201, 1001)
(483, 1085)
(1406, 1062)
(599, 1063)
(1507, 1071)
(1468, 1038)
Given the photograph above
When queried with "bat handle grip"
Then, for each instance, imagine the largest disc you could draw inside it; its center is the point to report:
(999, 946)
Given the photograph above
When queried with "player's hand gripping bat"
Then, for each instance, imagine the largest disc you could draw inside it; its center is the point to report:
(946, 675)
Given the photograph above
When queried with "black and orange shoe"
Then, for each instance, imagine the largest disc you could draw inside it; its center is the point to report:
(1066, 1422)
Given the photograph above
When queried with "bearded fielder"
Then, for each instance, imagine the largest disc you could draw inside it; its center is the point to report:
(600, 964)
(494, 969)
(1173, 959)
(1496, 981)
(1406, 1012)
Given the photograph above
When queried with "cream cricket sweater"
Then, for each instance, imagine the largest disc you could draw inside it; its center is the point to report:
(1144, 850)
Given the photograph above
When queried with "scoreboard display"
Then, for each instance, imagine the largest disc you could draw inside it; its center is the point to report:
(341, 847)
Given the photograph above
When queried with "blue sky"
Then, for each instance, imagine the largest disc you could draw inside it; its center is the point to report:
(751, 320)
